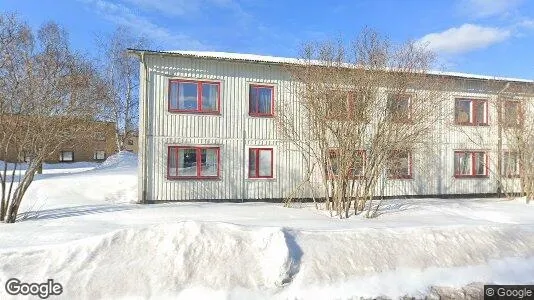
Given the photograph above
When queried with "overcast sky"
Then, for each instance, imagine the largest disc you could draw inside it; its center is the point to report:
(491, 37)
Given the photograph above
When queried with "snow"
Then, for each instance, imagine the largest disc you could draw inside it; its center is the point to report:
(90, 236)
(289, 60)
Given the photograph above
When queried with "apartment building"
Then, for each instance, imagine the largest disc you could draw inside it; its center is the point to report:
(208, 132)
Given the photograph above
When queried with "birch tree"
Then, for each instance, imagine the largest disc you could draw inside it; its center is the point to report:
(363, 111)
(121, 73)
(48, 98)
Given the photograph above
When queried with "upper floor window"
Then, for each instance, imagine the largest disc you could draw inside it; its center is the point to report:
(260, 163)
(192, 162)
(399, 107)
(471, 112)
(399, 165)
(357, 163)
(510, 164)
(261, 100)
(511, 113)
(194, 96)
(470, 164)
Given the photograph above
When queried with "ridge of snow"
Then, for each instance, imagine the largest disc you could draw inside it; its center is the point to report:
(290, 60)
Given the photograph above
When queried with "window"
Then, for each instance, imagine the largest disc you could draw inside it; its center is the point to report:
(260, 163)
(99, 155)
(511, 116)
(510, 164)
(66, 156)
(399, 108)
(338, 107)
(400, 165)
(261, 100)
(356, 170)
(470, 164)
(471, 112)
(100, 136)
(194, 96)
(193, 162)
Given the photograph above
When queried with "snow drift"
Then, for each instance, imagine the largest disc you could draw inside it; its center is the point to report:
(221, 260)
(143, 262)
(113, 181)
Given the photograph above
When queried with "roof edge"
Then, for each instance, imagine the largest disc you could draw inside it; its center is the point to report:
(272, 60)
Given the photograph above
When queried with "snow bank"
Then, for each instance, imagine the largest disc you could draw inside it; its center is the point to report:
(220, 261)
(113, 181)
(172, 258)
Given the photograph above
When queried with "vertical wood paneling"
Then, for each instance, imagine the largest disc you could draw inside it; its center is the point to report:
(433, 169)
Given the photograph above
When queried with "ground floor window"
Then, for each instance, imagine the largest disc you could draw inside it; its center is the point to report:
(260, 163)
(357, 161)
(66, 156)
(399, 165)
(470, 164)
(193, 162)
(510, 164)
(99, 155)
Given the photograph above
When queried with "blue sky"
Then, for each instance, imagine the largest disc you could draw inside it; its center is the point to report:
(491, 37)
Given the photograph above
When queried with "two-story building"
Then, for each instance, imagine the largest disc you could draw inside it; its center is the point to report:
(207, 132)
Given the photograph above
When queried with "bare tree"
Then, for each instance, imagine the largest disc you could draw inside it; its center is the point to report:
(363, 112)
(48, 97)
(516, 135)
(121, 72)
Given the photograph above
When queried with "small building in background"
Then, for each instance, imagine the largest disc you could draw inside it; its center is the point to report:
(94, 146)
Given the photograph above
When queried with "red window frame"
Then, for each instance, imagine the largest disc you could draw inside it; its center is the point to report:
(349, 101)
(519, 122)
(474, 104)
(173, 150)
(362, 153)
(199, 97)
(257, 162)
(518, 174)
(401, 97)
(255, 112)
(473, 164)
(410, 166)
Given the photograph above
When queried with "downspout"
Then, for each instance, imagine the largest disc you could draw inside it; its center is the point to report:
(145, 129)
(499, 140)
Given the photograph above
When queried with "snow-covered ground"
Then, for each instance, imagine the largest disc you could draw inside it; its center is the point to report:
(85, 231)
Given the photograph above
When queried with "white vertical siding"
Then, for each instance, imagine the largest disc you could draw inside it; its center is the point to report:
(433, 168)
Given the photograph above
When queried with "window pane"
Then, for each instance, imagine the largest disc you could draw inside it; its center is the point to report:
(480, 163)
(265, 163)
(463, 111)
(511, 113)
(399, 164)
(252, 163)
(172, 162)
(187, 162)
(399, 107)
(264, 99)
(187, 96)
(210, 96)
(209, 161)
(333, 163)
(66, 156)
(260, 100)
(510, 164)
(173, 94)
(357, 169)
(462, 163)
(99, 155)
(480, 112)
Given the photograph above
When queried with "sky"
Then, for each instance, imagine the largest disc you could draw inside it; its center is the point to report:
(488, 37)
